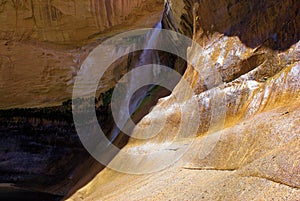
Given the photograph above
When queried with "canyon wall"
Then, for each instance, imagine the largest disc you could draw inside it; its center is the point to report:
(71, 21)
(42, 46)
(247, 142)
(245, 109)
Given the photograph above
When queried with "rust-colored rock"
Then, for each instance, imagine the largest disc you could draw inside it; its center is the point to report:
(70, 21)
(251, 51)
(42, 46)
(42, 50)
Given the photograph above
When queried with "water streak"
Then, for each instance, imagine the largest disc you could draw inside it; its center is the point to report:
(147, 57)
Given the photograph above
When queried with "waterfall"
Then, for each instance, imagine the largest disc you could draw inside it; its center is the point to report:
(147, 57)
(152, 35)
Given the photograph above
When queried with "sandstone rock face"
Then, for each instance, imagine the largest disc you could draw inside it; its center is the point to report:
(66, 21)
(42, 46)
(247, 144)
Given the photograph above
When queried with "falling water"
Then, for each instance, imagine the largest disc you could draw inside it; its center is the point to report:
(147, 57)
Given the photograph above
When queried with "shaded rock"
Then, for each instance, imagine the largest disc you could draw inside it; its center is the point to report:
(42, 46)
(247, 143)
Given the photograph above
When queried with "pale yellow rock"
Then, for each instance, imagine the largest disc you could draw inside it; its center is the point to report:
(250, 154)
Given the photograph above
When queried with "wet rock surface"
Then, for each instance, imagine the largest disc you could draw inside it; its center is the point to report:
(252, 80)
(42, 46)
(250, 52)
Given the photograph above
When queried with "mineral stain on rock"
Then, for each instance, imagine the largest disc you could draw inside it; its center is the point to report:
(252, 45)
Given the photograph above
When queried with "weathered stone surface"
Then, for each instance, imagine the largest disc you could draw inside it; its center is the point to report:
(250, 52)
(42, 50)
(256, 157)
(42, 46)
(69, 21)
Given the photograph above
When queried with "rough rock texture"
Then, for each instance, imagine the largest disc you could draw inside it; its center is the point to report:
(41, 152)
(42, 46)
(250, 51)
(42, 50)
(68, 21)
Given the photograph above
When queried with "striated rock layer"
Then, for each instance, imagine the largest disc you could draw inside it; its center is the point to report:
(247, 145)
(42, 46)
(68, 21)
